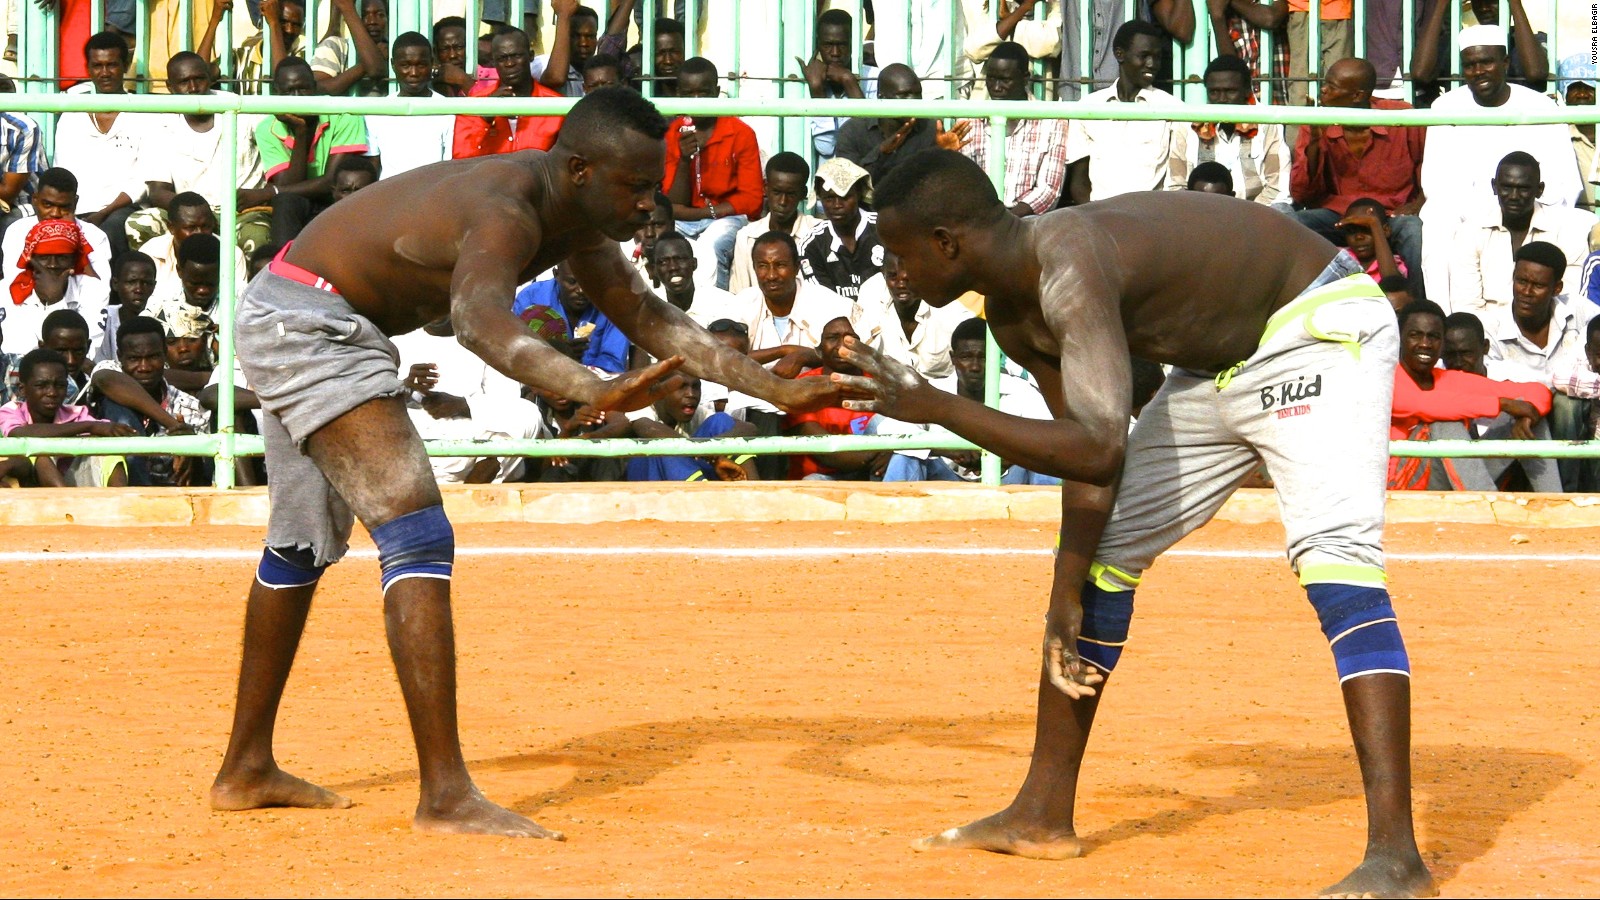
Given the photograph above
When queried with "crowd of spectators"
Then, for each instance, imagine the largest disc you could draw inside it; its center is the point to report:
(1482, 236)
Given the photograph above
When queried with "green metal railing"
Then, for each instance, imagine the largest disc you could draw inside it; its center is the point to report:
(226, 444)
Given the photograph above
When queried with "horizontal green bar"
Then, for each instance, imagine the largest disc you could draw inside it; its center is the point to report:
(805, 106)
(250, 445)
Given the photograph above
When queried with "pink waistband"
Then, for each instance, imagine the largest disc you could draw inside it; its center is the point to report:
(285, 269)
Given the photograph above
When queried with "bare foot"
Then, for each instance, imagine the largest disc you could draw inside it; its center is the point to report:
(476, 815)
(1381, 877)
(274, 787)
(999, 835)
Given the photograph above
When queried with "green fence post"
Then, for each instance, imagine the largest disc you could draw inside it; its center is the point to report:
(992, 357)
(647, 47)
(227, 303)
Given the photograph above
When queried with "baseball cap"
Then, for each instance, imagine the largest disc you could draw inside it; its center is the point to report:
(839, 175)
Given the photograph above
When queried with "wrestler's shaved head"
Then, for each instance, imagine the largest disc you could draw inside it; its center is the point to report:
(599, 120)
(939, 187)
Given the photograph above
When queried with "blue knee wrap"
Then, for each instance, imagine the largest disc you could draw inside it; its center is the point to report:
(1106, 615)
(288, 567)
(1361, 628)
(416, 545)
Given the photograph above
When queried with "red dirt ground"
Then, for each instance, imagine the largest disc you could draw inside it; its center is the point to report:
(788, 726)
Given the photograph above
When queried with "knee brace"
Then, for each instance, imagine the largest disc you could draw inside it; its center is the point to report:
(288, 567)
(1107, 609)
(1361, 628)
(416, 545)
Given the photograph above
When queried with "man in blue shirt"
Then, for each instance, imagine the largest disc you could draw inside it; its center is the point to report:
(602, 344)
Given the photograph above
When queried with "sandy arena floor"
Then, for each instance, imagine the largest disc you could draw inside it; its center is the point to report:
(758, 723)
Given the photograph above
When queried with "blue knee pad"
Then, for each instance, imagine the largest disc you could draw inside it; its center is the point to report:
(288, 567)
(1106, 615)
(1361, 628)
(417, 545)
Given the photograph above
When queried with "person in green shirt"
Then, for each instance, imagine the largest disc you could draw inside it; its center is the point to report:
(301, 155)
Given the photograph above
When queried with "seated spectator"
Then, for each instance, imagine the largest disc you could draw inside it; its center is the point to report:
(1036, 149)
(455, 395)
(844, 251)
(354, 175)
(1432, 404)
(1527, 64)
(1018, 397)
(1239, 25)
(104, 149)
(191, 334)
(851, 465)
(1336, 41)
(411, 142)
(133, 281)
(594, 339)
(878, 144)
(642, 249)
(1541, 335)
(64, 332)
(354, 65)
(41, 410)
(1336, 164)
(1461, 159)
(601, 70)
(134, 391)
(484, 135)
(787, 185)
(680, 415)
(303, 153)
(21, 161)
(577, 33)
(54, 275)
(830, 73)
(194, 161)
(285, 21)
(199, 272)
(1481, 257)
(188, 214)
(1366, 236)
(56, 200)
(1211, 177)
(784, 312)
(1110, 158)
(1256, 155)
(718, 398)
(675, 265)
(1578, 79)
(904, 326)
(713, 173)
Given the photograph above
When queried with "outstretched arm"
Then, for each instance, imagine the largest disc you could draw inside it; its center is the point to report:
(617, 289)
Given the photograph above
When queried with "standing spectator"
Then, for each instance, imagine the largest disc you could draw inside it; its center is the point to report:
(1111, 158)
(1243, 22)
(1036, 149)
(844, 251)
(675, 264)
(1577, 89)
(1462, 158)
(450, 77)
(830, 74)
(1256, 155)
(483, 135)
(104, 149)
(1527, 65)
(193, 159)
(55, 200)
(1337, 42)
(877, 144)
(1485, 247)
(577, 32)
(601, 70)
(41, 410)
(1171, 21)
(302, 153)
(285, 21)
(784, 312)
(1336, 164)
(787, 186)
(1541, 336)
(54, 274)
(986, 24)
(353, 65)
(669, 49)
(713, 173)
(134, 391)
(905, 327)
(404, 143)
(21, 161)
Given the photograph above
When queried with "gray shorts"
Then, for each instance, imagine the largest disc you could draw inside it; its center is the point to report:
(1312, 403)
(310, 358)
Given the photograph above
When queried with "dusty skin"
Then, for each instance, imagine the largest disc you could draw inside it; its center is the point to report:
(787, 726)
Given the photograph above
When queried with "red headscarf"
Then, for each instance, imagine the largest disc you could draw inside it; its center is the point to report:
(49, 237)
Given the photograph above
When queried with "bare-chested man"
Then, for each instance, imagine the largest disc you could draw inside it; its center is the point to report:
(1283, 353)
(452, 239)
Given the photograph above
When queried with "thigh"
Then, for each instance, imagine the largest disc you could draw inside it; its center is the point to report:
(374, 459)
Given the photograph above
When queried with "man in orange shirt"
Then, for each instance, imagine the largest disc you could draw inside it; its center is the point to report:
(483, 135)
(713, 173)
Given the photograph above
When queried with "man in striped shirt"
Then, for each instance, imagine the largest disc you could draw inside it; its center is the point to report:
(21, 159)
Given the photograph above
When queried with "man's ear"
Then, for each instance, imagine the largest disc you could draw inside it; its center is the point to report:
(579, 170)
(947, 242)
(1541, 190)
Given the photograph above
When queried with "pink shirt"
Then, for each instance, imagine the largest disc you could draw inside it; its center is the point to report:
(15, 414)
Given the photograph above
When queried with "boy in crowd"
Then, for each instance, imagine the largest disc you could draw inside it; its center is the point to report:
(42, 411)
(1366, 237)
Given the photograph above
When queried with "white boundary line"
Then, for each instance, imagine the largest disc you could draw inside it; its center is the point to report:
(181, 554)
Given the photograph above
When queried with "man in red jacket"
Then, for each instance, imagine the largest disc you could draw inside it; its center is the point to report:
(713, 173)
(483, 135)
(1446, 404)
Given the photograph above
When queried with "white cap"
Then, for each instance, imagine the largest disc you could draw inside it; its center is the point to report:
(1483, 36)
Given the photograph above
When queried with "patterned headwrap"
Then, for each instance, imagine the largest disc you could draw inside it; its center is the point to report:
(49, 237)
